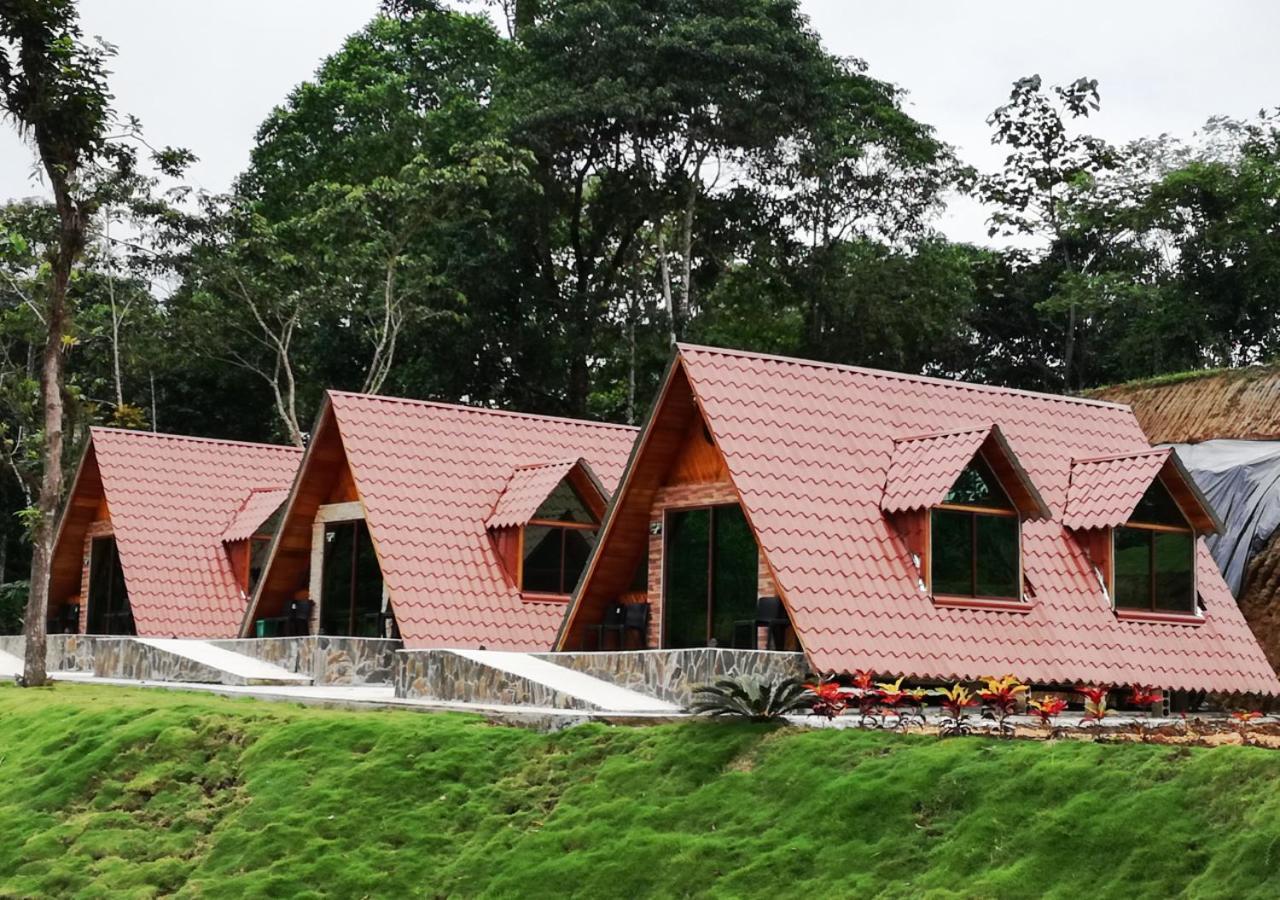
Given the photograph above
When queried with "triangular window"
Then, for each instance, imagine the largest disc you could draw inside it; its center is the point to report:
(1157, 507)
(564, 505)
(977, 486)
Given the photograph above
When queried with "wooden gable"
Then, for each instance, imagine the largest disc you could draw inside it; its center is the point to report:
(324, 478)
(85, 505)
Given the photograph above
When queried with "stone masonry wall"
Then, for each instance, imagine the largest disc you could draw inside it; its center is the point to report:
(326, 659)
(672, 675)
(444, 675)
(63, 652)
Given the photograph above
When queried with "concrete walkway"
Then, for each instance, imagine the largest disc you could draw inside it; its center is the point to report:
(595, 693)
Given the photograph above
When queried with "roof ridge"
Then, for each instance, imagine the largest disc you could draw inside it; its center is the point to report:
(904, 376)
(932, 435)
(464, 407)
(135, 433)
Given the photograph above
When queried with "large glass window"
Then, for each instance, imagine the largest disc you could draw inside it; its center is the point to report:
(975, 539)
(557, 543)
(1153, 557)
(351, 600)
(712, 576)
(109, 611)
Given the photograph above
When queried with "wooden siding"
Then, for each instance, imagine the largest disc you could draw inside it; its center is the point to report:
(85, 505)
(677, 466)
(324, 478)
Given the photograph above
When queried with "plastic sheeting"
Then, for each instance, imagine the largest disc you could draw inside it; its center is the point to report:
(1241, 479)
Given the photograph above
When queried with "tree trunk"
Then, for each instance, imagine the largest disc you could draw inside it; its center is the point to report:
(35, 623)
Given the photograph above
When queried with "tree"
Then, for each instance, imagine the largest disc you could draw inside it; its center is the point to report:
(53, 86)
(1045, 165)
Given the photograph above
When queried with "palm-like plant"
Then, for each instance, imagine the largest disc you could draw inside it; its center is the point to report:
(955, 700)
(751, 698)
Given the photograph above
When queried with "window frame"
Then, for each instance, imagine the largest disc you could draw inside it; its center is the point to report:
(562, 527)
(1151, 529)
(974, 511)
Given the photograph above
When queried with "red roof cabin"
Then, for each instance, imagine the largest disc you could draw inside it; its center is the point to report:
(446, 526)
(162, 535)
(913, 526)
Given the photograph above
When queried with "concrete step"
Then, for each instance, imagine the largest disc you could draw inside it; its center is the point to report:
(173, 659)
(502, 677)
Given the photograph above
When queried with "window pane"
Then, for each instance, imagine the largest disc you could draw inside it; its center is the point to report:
(685, 584)
(952, 549)
(1132, 568)
(578, 543)
(542, 559)
(1157, 508)
(977, 486)
(564, 505)
(368, 586)
(1175, 553)
(998, 557)
(736, 573)
(335, 588)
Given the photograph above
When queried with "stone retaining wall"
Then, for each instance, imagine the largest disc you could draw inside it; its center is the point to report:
(672, 675)
(444, 675)
(127, 658)
(326, 659)
(63, 652)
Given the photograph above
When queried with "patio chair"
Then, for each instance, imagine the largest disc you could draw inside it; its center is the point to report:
(635, 617)
(770, 614)
(298, 619)
(614, 617)
(67, 620)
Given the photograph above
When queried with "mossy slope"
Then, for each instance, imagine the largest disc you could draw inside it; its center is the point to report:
(132, 793)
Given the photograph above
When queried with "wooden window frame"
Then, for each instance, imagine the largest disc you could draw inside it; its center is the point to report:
(1151, 530)
(974, 598)
(562, 595)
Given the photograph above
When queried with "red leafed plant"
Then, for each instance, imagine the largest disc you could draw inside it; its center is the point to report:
(1245, 716)
(1095, 703)
(827, 699)
(1143, 695)
(955, 700)
(868, 696)
(1001, 697)
(1047, 710)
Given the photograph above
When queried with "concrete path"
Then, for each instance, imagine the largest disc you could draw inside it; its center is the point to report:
(598, 694)
(242, 669)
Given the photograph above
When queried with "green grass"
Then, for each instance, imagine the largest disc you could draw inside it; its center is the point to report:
(112, 792)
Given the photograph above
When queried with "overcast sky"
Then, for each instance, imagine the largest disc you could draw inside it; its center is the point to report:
(203, 75)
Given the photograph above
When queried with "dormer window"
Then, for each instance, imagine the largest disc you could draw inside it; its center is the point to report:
(975, 539)
(1153, 557)
(557, 543)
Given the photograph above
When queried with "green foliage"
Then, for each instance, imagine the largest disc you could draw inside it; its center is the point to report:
(110, 791)
(752, 698)
(13, 602)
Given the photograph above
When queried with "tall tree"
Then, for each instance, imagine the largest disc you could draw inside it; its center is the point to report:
(1046, 163)
(53, 87)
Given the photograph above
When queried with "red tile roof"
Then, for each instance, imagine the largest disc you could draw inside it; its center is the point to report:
(429, 475)
(1104, 491)
(170, 499)
(809, 447)
(257, 508)
(923, 469)
(526, 490)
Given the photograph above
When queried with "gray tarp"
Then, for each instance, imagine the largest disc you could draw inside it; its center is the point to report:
(1241, 479)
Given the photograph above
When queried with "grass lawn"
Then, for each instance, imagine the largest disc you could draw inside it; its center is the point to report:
(144, 793)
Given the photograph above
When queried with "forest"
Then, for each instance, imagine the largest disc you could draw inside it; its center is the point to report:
(523, 205)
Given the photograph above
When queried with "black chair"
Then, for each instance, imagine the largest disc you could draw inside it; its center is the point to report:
(613, 622)
(770, 614)
(67, 621)
(298, 619)
(635, 617)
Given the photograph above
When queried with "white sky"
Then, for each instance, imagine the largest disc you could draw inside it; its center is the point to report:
(203, 75)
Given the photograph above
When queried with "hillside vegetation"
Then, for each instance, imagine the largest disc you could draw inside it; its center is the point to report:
(149, 793)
